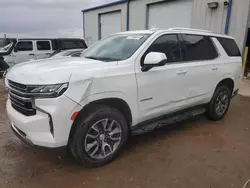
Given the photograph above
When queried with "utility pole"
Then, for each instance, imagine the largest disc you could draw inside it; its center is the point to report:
(5, 39)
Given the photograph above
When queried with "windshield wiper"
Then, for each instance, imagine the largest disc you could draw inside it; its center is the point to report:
(101, 58)
(92, 57)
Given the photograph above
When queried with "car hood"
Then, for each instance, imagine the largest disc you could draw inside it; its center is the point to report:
(51, 71)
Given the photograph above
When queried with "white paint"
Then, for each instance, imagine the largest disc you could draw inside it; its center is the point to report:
(171, 14)
(150, 94)
(154, 58)
(110, 23)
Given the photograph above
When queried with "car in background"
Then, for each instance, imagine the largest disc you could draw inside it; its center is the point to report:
(21, 50)
(67, 53)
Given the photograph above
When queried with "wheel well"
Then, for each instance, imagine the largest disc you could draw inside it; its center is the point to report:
(227, 82)
(116, 103)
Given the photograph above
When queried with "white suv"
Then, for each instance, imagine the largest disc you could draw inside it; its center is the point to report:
(130, 82)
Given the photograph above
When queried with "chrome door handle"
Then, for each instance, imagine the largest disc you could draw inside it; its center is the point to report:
(180, 72)
(31, 54)
(214, 68)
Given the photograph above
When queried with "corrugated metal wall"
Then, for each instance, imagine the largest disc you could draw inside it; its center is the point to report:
(202, 17)
(215, 20)
(137, 20)
(91, 21)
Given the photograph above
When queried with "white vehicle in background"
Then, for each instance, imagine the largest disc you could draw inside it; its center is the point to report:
(22, 50)
(67, 53)
(130, 82)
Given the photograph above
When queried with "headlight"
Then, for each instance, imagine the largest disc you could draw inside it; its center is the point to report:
(54, 90)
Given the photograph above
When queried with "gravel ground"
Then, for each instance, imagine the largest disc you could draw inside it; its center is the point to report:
(197, 153)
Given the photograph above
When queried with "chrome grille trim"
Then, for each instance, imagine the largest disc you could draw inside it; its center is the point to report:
(17, 86)
(20, 100)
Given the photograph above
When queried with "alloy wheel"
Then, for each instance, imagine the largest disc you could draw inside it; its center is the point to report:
(103, 138)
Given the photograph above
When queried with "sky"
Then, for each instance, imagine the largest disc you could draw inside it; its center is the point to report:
(43, 18)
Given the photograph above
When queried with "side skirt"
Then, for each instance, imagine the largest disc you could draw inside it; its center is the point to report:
(169, 119)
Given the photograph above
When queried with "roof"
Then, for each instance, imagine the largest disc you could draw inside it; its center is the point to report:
(48, 38)
(137, 32)
(178, 30)
(105, 5)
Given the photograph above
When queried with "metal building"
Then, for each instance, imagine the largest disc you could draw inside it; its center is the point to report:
(222, 16)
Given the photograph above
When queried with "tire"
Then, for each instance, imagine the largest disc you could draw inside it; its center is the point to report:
(214, 112)
(91, 136)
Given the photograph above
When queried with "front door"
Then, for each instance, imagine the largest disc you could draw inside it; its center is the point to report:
(162, 90)
(43, 49)
(23, 51)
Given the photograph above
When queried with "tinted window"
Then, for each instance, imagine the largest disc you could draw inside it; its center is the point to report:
(169, 45)
(196, 47)
(24, 46)
(72, 44)
(230, 46)
(43, 45)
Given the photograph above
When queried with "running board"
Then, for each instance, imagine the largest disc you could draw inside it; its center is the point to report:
(177, 117)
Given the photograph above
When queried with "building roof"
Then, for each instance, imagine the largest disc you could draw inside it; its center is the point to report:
(105, 5)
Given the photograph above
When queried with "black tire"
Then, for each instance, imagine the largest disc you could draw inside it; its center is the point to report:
(211, 110)
(83, 125)
(3, 65)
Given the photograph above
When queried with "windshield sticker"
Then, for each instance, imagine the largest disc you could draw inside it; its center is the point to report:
(135, 37)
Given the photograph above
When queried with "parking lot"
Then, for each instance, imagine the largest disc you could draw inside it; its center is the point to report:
(195, 153)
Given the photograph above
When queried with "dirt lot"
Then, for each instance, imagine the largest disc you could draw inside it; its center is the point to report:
(193, 154)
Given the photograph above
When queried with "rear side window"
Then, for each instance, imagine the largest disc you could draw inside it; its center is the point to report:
(72, 44)
(196, 47)
(169, 45)
(24, 46)
(43, 45)
(229, 46)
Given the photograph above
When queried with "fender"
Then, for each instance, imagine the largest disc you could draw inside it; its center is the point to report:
(133, 105)
(223, 77)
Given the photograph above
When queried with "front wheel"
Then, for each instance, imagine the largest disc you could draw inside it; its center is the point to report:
(220, 103)
(99, 136)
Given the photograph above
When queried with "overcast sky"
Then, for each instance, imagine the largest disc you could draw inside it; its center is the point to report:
(43, 18)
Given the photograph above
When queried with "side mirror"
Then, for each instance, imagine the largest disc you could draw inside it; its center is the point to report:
(155, 59)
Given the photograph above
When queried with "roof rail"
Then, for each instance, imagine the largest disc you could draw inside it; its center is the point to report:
(189, 29)
(154, 29)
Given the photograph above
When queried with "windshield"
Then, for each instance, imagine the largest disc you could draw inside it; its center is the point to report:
(115, 47)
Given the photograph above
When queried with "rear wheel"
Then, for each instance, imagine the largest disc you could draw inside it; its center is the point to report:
(220, 103)
(99, 136)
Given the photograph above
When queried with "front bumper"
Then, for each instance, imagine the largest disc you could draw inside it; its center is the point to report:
(36, 130)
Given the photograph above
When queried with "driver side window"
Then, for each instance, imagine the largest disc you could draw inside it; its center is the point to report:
(169, 45)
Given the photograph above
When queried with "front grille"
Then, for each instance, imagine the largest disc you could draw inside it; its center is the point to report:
(17, 86)
(20, 101)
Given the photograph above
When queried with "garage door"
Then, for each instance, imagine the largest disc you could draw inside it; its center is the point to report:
(165, 15)
(110, 23)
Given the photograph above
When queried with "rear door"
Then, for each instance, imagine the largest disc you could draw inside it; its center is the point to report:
(43, 49)
(23, 51)
(199, 60)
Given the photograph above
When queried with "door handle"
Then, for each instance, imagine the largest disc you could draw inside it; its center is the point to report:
(31, 54)
(47, 53)
(180, 72)
(214, 68)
